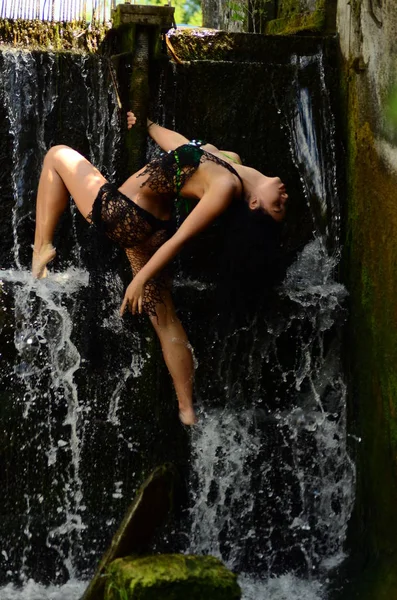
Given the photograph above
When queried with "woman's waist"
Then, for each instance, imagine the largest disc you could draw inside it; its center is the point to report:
(158, 205)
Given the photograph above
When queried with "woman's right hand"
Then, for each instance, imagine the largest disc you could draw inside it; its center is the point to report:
(134, 295)
(131, 119)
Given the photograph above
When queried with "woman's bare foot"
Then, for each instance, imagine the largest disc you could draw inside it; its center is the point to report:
(187, 416)
(40, 260)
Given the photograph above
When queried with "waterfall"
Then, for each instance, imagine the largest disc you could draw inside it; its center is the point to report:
(46, 397)
(273, 484)
(85, 399)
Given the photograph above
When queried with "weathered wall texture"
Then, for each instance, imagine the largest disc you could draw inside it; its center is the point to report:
(368, 39)
(282, 17)
(218, 15)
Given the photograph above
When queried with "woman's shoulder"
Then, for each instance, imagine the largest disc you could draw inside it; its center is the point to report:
(226, 155)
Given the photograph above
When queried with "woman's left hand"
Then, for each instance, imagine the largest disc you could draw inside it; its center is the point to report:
(133, 297)
(131, 119)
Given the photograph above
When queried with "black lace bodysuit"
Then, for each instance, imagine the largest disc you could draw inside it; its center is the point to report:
(136, 230)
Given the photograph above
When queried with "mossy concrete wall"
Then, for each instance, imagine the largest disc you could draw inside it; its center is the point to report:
(368, 39)
(302, 17)
(74, 36)
(273, 17)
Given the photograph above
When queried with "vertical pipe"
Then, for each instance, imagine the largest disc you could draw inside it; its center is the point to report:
(139, 99)
(52, 11)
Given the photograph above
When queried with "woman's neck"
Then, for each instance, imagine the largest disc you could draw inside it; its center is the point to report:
(251, 178)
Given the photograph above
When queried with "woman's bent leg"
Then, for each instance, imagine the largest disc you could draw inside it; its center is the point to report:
(178, 357)
(65, 172)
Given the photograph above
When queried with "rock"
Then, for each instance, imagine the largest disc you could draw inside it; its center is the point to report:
(170, 577)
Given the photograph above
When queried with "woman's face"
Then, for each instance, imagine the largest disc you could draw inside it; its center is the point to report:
(271, 198)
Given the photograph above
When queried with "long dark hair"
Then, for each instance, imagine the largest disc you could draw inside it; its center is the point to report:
(249, 264)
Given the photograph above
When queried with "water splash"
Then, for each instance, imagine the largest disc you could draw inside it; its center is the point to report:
(44, 312)
(273, 483)
(285, 587)
(73, 590)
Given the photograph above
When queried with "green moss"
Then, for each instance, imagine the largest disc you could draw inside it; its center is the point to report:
(73, 36)
(193, 44)
(371, 259)
(170, 577)
(309, 22)
(292, 19)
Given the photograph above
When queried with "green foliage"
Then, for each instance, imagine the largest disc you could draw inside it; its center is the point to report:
(116, 592)
(237, 12)
(252, 13)
(187, 12)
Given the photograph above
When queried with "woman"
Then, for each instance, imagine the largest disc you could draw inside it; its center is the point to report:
(138, 216)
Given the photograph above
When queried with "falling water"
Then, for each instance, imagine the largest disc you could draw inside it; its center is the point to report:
(46, 396)
(273, 484)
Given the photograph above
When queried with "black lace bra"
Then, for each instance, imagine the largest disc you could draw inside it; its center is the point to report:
(168, 174)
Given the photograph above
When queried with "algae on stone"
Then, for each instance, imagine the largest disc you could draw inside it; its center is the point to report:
(55, 36)
(171, 577)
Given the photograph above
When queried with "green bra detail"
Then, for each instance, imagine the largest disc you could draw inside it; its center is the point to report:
(229, 157)
(173, 169)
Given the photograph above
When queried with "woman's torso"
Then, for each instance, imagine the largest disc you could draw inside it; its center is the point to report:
(156, 185)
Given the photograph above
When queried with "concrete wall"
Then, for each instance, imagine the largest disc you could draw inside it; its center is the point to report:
(273, 17)
(368, 40)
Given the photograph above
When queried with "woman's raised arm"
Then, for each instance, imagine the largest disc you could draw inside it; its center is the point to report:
(165, 138)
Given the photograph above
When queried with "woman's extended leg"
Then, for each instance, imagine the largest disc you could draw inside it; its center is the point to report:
(178, 356)
(65, 172)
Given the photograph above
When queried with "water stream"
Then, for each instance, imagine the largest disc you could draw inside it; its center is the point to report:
(271, 482)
